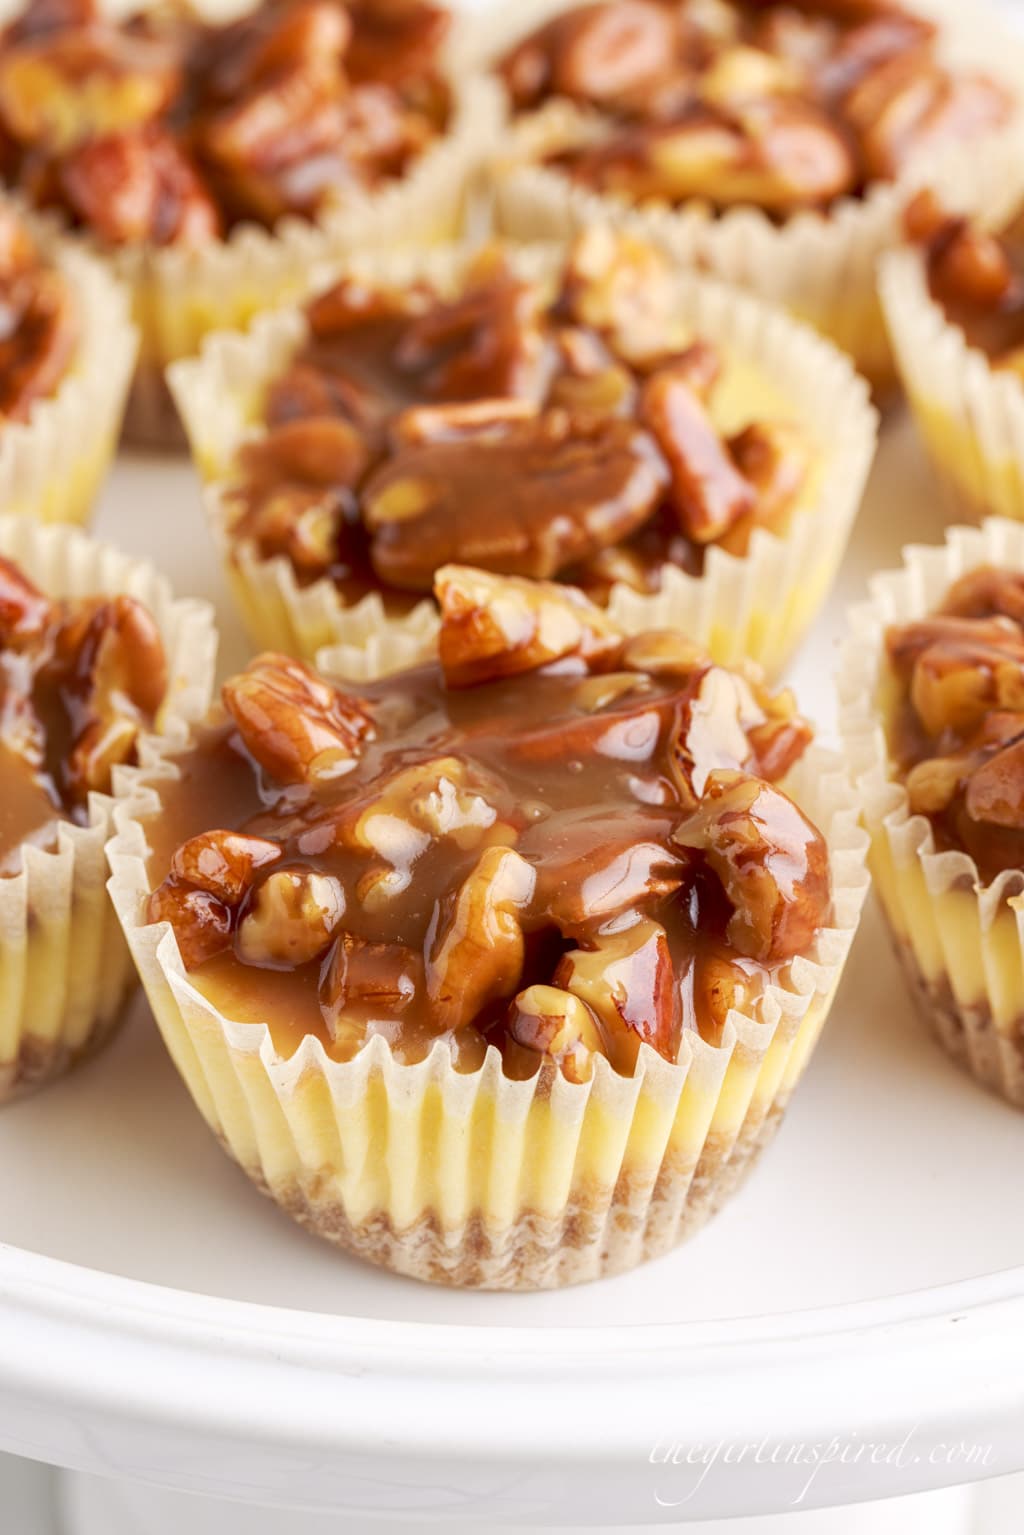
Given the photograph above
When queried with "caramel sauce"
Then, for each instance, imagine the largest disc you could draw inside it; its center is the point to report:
(501, 396)
(773, 106)
(573, 773)
(992, 322)
(28, 810)
(952, 699)
(160, 128)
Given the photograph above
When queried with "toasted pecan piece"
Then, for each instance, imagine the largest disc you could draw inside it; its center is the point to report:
(495, 626)
(772, 863)
(555, 1023)
(298, 727)
(627, 981)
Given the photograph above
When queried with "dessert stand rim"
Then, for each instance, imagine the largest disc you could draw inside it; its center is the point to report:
(235, 1371)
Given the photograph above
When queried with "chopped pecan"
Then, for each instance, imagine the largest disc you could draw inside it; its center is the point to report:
(712, 730)
(628, 983)
(319, 451)
(772, 863)
(202, 923)
(208, 879)
(772, 456)
(361, 977)
(591, 867)
(987, 593)
(494, 626)
(299, 728)
(559, 1025)
(61, 88)
(395, 42)
(290, 918)
(959, 669)
(485, 343)
(908, 105)
(719, 982)
(553, 490)
(779, 153)
(109, 666)
(622, 287)
(268, 43)
(995, 788)
(708, 493)
(477, 955)
(611, 50)
(306, 524)
(134, 188)
(37, 346)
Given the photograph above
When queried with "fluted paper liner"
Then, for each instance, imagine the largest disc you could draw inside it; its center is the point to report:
(179, 295)
(65, 971)
(961, 942)
(474, 1179)
(820, 267)
(970, 414)
(757, 605)
(53, 464)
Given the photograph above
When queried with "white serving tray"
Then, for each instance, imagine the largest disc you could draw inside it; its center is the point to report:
(160, 1320)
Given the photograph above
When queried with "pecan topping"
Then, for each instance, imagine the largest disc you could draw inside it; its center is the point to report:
(299, 728)
(494, 627)
(562, 843)
(956, 717)
(40, 321)
(773, 864)
(975, 274)
(80, 679)
(556, 488)
(581, 416)
(164, 130)
(779, 106)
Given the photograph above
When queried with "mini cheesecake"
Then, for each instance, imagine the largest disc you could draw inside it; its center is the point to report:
(95, 658)
(547, 880)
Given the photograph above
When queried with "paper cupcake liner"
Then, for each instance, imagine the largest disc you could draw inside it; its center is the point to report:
(756, 606)
(53, 464)
(821, 269)
(65, 972)
(474, 1179)
(969, 414)
(961, 942)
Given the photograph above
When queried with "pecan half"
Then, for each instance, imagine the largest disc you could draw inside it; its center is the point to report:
(772, 863)
(364, 977)
(707, 492)
(493, 626)
(628, 983)
(477, 956)
(527, 498)
(291, 918)
(299, 728)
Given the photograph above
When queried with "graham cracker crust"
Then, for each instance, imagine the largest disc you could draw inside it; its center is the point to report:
(994, 1057)
(40, 1061)
(602, 1230)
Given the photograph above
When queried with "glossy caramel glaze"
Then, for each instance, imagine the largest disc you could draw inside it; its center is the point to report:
(79, 679)
(569, 427)
(953, 700)
(158, 129)
(774, 106)
(568, 859)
